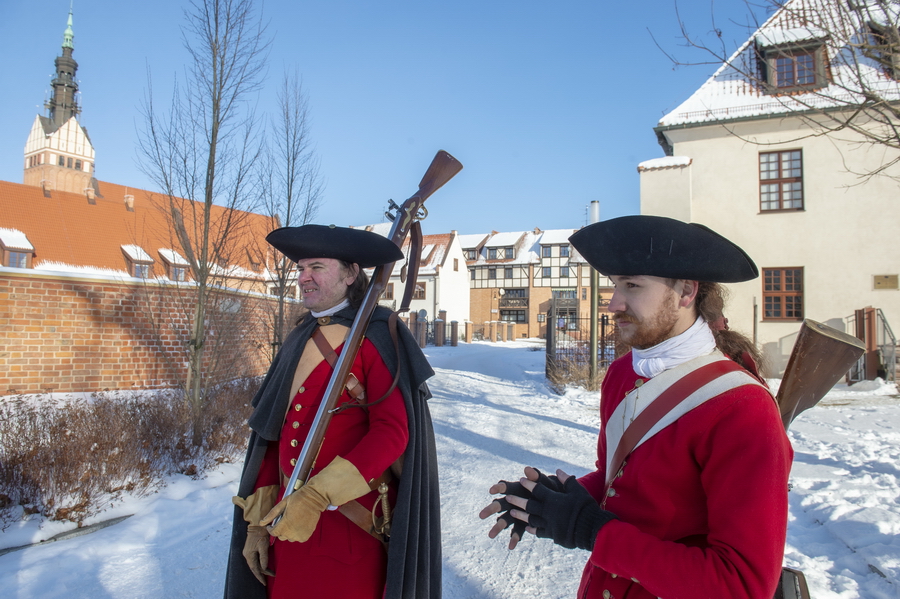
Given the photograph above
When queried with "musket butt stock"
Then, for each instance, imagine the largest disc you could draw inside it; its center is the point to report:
(820, 357)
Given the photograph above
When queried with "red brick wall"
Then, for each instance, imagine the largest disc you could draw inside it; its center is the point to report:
(82, 334)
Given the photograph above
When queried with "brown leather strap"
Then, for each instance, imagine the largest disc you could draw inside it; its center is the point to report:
(354, 387)
(356, 513)
(662, 405)
(415, 251)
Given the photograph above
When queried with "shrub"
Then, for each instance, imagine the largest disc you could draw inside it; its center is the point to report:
(67, 459)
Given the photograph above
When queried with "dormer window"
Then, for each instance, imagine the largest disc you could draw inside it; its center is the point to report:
(177, 268)
(139, 262)
(792, 60)
(471, 254)
(15, 249)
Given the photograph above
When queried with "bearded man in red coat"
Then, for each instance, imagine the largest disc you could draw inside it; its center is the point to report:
(689, 495)
(325, 543)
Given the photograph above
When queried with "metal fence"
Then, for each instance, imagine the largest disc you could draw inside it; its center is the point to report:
(569, 349)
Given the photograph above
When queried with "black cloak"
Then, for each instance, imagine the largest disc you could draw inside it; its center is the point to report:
(414, 553)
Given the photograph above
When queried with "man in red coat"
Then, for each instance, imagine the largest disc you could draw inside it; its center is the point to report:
(330, 539)
(689, 495)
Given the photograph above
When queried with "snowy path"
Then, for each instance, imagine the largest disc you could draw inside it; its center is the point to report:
(494, 414)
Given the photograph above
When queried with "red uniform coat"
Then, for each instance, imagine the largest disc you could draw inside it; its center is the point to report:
(340, 559)
(702, 505)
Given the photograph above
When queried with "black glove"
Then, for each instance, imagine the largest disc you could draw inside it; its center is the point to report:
(512, 488)
(551, 482)
(571, 517)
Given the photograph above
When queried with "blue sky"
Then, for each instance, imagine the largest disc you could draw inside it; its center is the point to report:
(548, 105)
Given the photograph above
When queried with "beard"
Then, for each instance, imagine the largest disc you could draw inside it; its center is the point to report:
(653, 329)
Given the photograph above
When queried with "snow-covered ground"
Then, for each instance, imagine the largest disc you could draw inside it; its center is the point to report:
(493, 414)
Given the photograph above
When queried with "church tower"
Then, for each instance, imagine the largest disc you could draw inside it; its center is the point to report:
(58, 153)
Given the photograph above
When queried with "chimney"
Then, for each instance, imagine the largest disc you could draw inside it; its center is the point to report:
(89, 194)
(129, 202)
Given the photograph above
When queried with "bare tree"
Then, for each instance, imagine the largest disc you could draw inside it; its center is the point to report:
(834, 64)
(292, 188)
(202, 154)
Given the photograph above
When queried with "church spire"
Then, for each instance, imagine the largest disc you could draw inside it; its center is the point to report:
(62, 104)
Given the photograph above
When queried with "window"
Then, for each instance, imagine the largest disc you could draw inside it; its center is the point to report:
(178, 273)
(564, 272)
(419, 291)
(507, 273)
(584, 293)
(473, 273)
(564, 251)
(389, 291)
(515, 293)
(508, 252)
(564, 294)
(546, 251)
(545, 272)
(492, 253)
(140, 270)
(541, 317)
(455, 264)
(781, 180)
(512, 315)
(77, 165)
(492, 273)
(782, 294)
(471, 255)
(797, 68)
(69, 162)
(17, 259)
(62, 161)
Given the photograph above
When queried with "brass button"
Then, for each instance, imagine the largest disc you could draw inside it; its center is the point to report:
(606, 594)
(296, 425)
(301, 390)
(298, 407)
(294, 442)
(611, 492)
(293, 461)
(614, 575)
(636, 580)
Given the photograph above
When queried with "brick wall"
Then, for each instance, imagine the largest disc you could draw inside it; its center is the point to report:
(82, 334)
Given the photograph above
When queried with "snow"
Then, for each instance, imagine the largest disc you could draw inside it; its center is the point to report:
(13, 239)
(136, 253)
(494, 414)
(665, 162)
(173, 257)
(556, 236)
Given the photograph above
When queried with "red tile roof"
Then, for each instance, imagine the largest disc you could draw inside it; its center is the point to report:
(65, 227)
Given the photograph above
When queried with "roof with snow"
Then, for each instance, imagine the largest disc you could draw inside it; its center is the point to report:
(738, 88)
(556, 236)
(65, 231)
(665, 162)
(468, 242)
(13, 239)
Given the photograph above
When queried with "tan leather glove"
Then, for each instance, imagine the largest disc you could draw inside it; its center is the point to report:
(256, 547)
(337, 483)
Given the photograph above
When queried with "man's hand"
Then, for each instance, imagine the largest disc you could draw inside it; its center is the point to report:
(503, 506)
(570, 516)
(256, 552)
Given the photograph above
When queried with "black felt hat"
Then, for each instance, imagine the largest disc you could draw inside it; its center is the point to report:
(662, 247)
(341, 243)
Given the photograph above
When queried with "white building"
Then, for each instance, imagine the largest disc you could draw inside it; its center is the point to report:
(746, 157)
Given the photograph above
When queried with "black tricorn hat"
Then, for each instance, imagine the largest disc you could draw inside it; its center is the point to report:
(341, 243)
(662, 247)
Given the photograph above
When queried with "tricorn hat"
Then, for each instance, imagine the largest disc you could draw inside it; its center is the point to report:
(341, 243)
(662, 247)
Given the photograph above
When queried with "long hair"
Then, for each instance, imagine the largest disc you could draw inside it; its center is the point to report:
(356, 291)
(710, 303)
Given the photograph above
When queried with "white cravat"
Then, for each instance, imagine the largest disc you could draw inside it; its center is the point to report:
(332, 310)
(697, 341)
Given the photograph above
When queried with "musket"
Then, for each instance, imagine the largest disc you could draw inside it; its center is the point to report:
(820, 357)
(442, 169)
